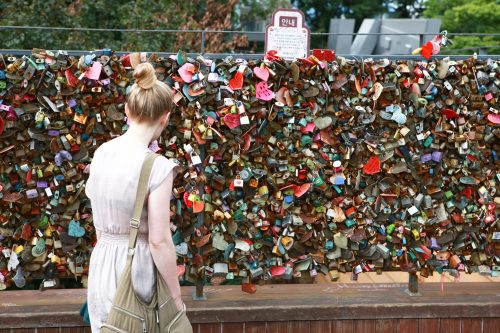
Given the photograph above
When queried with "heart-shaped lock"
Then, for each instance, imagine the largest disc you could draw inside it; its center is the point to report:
(232, 120)
(39, 248)
(494, 118)
(189, 203)
(280, 95)
(399, 117)
(450, 113)
(372, 166)
(75, 230)
(262, 73)
(263, 92)
(323, 122)
(377, 90)
(302, 189)
(236, 83)
(186, 72)
(198, 206)
(277, 270)
(428, 50)
(70, 78)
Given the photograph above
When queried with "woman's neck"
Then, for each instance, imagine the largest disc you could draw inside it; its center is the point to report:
(141, 133)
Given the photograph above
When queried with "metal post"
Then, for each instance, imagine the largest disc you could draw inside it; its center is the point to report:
(202, 42)
(421, 39)
(412, 289)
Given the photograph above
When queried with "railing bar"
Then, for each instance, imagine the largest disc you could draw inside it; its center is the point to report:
(237, 32)
(260, 55)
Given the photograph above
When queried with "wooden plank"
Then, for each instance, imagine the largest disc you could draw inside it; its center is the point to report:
(386, 326)
(82, 329)
(447, 325)
(471, 325)
(407, 326)
(58, 330)
(491, 325)
(227, 304)
(363, 326)
(299, 327)
(277, 327)
(255, 327)
(210, 328)
(233, 327)
(428, 325)
(342, 326)
(72, 329)
(321, 326)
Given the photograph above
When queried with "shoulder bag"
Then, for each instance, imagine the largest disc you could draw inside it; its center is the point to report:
(128, 313)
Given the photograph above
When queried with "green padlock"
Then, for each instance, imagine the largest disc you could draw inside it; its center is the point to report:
(318, 181)
(428, 141)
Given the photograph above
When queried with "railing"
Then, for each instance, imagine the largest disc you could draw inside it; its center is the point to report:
(203, 37)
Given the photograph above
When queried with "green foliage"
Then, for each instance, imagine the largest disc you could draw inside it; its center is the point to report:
(318, 12)
(123, 14)
(405, 8)
(456, 15)
(255, 10)
(471, 16)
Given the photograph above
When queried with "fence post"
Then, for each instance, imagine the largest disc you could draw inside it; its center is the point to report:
(202, 42)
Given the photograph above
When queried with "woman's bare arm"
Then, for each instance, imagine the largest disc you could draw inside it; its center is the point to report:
(160, 238)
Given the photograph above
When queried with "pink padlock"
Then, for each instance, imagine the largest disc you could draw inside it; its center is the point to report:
(11, 115)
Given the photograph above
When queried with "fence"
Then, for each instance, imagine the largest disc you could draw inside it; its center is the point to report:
(204, 35)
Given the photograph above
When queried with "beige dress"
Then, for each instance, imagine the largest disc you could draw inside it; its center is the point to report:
(111, 187)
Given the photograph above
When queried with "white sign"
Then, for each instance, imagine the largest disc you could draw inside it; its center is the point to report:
(288, 35)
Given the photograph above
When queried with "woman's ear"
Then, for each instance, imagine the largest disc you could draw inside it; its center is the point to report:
(127, 111)
(165, 118)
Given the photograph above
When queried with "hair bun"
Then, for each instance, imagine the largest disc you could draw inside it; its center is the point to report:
(144, 75)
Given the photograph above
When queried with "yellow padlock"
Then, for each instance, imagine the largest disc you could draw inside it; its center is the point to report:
(48, 231)
(263, 190)
(416, 234)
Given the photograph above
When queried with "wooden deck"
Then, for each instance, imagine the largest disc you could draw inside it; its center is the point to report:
(324, 307)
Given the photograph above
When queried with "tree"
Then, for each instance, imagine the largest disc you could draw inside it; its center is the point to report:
(318, 12)
(471, 16)
(215, 15)
(125, 14)
(405, 8)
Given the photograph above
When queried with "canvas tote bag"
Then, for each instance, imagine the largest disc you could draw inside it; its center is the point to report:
(128, 313)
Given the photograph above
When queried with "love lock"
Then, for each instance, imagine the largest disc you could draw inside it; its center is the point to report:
(334, 164)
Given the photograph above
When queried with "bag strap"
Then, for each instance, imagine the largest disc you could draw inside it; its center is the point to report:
(142, 190)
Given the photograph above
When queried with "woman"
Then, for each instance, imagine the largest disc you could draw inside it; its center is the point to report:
(112, 186)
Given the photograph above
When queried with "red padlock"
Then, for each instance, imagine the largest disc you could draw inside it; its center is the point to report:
(324, 55)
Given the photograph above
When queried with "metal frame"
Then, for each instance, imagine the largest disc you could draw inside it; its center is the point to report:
(203, 36)
(261, 55)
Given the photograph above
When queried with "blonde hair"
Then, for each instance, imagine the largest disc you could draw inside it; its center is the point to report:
(149, 98)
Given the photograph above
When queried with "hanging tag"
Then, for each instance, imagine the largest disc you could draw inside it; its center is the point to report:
(238, 182)
(195, 159)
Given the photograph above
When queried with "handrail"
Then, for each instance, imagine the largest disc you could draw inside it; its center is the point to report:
(203, 33)
(15, 52)
(235, 31)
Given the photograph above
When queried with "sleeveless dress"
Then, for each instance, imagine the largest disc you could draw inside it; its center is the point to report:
(111, 187)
